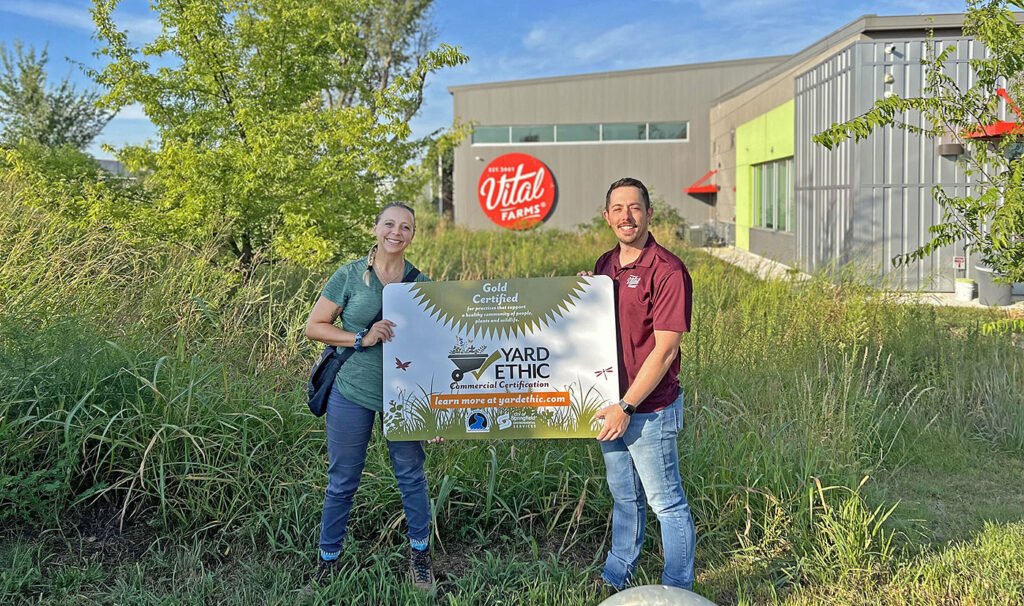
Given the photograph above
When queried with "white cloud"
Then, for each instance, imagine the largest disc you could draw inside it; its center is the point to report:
(144, 27)
(557, 48)
(537, 37)
(79, 18)
(58, 14)
(623, 40)
(131, 112)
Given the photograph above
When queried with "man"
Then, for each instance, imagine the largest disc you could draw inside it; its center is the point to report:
(653, 301)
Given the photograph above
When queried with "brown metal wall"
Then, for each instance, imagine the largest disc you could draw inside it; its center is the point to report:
(583, 171)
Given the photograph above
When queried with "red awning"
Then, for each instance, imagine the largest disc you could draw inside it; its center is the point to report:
(999, 129)
(995, 131)
(697, 188)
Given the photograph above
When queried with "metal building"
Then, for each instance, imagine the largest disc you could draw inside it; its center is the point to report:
(591, 129)
(870, 202)
(747, 166)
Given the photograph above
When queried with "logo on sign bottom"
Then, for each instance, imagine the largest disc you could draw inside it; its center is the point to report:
(478, 422)
(519, 420)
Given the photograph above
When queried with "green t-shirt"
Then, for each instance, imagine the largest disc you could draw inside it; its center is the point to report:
(361, 378)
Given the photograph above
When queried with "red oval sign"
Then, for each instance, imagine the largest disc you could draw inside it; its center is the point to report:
(516, 191)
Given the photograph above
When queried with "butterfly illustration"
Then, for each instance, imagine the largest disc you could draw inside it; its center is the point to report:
(605, 372)
(402, 365)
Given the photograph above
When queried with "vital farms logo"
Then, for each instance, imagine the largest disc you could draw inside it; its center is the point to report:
(516, 191)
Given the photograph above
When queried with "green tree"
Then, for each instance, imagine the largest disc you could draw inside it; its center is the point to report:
(990, 219)
(396, 35)
(56, 117)
(437, 169)
(283, 124)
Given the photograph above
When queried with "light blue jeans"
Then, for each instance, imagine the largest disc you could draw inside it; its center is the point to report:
(643, 467)
(348, 433)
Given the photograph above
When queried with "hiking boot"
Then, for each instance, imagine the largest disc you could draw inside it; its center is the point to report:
(602, 589)
(324, 571)
(420, 571)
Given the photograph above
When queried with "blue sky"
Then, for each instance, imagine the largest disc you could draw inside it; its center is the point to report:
(507, 40)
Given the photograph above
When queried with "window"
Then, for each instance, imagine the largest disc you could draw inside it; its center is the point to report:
(768, 195)
(756, 203)
(533, 134)
(623, 132)
(667, 130)
(490, 134)
(582, 133)
(578, 132)
(783, 199)
(772, 189)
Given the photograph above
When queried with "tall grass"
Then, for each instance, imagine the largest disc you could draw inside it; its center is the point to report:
(154, 382)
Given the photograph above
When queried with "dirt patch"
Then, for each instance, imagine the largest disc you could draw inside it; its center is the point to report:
(100, 536)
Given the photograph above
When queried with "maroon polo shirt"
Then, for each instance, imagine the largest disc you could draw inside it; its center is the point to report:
(652, 293)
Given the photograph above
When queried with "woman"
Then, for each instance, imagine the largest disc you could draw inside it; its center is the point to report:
(354, 294)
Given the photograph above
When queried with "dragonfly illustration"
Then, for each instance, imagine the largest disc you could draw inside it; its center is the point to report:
(402, 365)
(604, 372)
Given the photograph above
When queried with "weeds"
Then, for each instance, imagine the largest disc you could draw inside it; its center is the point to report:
(153, 382)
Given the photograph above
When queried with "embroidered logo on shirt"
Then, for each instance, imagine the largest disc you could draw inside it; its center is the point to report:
(632, 281)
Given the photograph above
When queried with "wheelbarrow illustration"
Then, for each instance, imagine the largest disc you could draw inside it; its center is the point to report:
(465, 363)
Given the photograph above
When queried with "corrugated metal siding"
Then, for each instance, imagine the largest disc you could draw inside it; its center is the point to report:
(869, 202)
(823, 95)
(584, 171)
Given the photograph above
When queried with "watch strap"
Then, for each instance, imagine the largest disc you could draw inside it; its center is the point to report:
(358, 345)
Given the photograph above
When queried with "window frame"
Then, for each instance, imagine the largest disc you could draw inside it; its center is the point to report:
(508, 133)
(600, 141)
(512, 130)
(772, 193)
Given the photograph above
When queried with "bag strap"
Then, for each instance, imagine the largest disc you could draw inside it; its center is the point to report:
(409, 277)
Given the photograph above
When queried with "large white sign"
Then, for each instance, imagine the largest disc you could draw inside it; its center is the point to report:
(484, 359)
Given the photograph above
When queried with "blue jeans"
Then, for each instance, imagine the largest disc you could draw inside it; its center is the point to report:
(348, 433)
(643, 467)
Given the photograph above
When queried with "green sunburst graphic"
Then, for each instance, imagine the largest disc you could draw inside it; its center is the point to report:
(539, 303)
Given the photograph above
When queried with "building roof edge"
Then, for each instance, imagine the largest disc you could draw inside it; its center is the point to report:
(646, 70)
(864, 23)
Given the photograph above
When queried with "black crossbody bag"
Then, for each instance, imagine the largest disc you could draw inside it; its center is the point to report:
(321, 378)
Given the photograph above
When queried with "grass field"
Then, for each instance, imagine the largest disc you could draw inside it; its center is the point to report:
(155, 447)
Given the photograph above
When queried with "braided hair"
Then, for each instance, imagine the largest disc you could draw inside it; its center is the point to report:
(372, 255)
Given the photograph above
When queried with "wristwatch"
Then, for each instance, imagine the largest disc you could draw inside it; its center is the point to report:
(627, 408)
(358, 346)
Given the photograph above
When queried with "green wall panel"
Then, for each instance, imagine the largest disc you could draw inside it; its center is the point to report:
(766, 137)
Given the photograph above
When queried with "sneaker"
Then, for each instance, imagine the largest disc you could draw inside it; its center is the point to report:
(602, 588)
(420, 570)
(324, 571)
